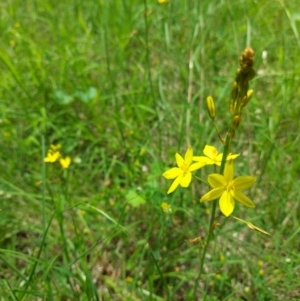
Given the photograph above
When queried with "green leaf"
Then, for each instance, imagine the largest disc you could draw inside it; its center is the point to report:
(62, 98)
(87, 96)
(134, 199)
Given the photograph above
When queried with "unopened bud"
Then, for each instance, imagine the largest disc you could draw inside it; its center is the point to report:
(247, 98)
(235, 121)
(246, 60)
(249, 94)
(211, 108)
(231, 107)
(250, 74)
(234, 91)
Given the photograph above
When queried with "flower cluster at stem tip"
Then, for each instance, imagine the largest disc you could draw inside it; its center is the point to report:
(224, 187)
(54, 155)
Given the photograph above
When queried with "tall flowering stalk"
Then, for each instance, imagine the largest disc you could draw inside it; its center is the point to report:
(240, 97)
(225, 188)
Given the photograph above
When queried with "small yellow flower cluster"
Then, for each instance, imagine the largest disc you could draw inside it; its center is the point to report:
(54, 155)
(224, 187)
(166, 207)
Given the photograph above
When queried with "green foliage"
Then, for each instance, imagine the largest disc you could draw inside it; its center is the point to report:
(122, 85)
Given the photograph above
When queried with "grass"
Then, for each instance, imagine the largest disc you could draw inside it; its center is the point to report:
(121, 85)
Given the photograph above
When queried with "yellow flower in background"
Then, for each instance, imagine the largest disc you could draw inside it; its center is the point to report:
(162, 1)
(182, 174)
(229, 189)
(166, 207)
(55, 148)
(54, 155)
(212, 156)
(65, 162)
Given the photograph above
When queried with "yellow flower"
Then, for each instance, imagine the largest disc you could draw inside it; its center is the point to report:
(55, 148)
(65, 162)
(182, 174)
(166, 207)
(212, 156)
(54, 155)
(228, 189)
(162, 1)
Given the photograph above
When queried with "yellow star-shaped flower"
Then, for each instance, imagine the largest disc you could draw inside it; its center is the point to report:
(212, 156)
(182, 174)
(229, 189)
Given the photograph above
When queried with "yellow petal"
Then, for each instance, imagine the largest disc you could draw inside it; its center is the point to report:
(188, 156)
(199, 158)
(186, 179)
(241, 198)
(172, 173)
(216, 180)
(179, 160)
(243, 182)
(204, 160)
(48, 158)
(229, 170)
(212, 195)
(219, 159)
(196, 166)
(174, 185)
(52, 157)
(232, 156)
(226, 203)
(211, 152)
(54, 147)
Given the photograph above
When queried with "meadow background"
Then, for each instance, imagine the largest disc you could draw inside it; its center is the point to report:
(121, 85)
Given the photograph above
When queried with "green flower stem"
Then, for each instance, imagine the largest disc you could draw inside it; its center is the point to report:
(214, 206)
(228, 138)
(206, 183)
(217, 130)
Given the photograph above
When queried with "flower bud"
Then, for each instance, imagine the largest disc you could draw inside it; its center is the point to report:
(234, 91)
(249, 94)
(235, 121)
(247, 98)
(211, 108)
(250, 74)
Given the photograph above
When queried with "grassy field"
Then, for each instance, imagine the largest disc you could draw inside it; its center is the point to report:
(121, 86)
